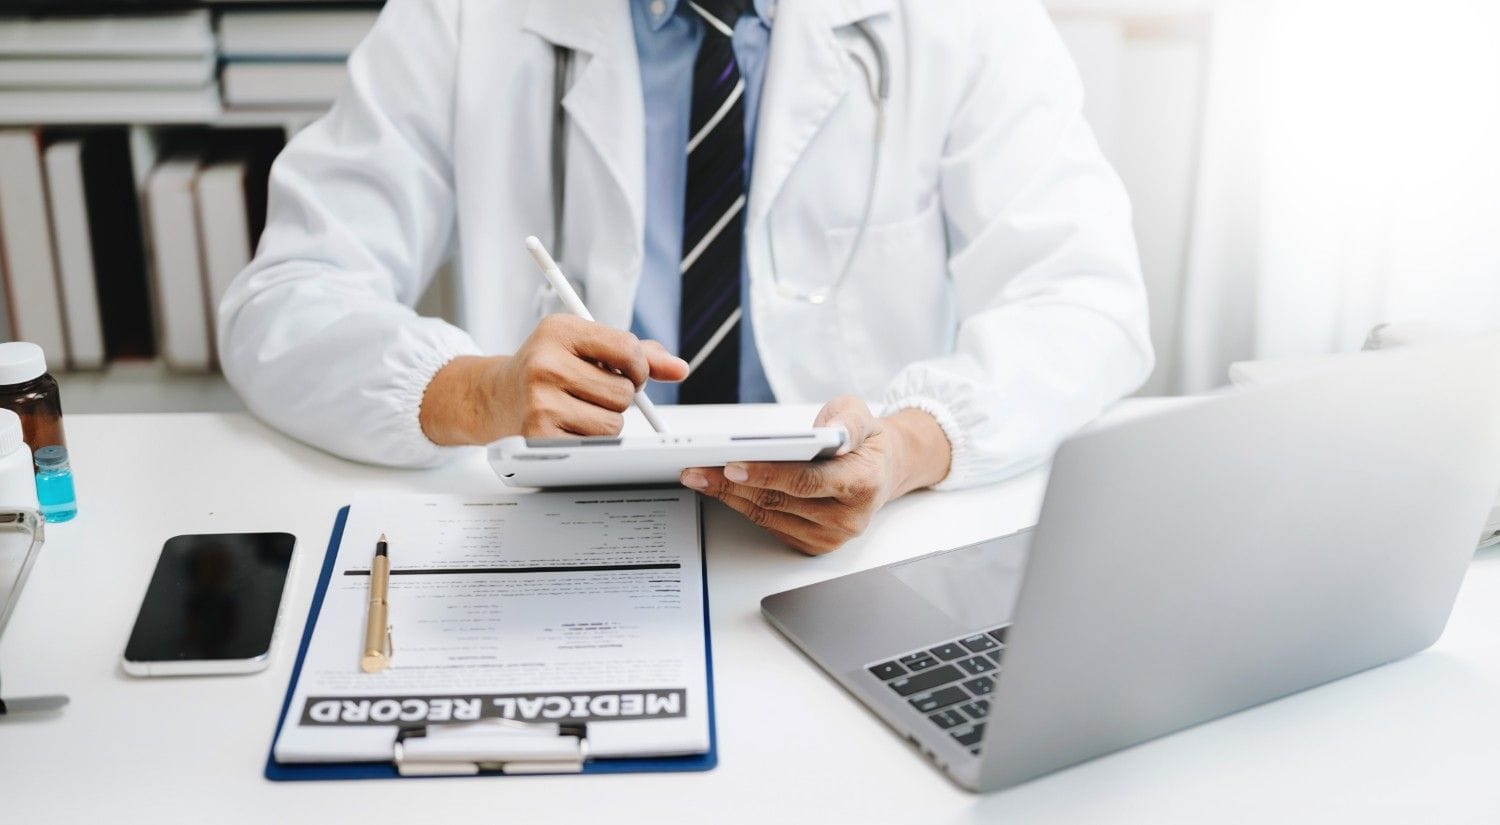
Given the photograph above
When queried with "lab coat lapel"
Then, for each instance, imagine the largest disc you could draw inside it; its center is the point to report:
(805, 80)
(604, 104)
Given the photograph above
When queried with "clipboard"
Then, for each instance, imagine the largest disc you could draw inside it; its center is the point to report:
(277, 771)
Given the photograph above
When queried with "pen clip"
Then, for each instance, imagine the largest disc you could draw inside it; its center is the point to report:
(390, 642)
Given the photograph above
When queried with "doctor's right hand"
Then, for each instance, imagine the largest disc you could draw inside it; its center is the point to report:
(571, 377)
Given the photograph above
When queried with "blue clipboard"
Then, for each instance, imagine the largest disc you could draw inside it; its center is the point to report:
(289, 772)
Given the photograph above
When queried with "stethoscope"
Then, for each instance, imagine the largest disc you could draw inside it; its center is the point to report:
(877, 80)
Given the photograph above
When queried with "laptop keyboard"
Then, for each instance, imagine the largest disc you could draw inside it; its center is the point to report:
(948, 682)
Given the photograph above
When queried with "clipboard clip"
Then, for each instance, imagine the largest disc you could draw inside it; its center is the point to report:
(505, 745)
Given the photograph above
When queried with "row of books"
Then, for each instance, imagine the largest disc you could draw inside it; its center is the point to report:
(118, 244)
(173, 66)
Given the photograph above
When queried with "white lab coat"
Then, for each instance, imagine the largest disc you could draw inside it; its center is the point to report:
(998, 285)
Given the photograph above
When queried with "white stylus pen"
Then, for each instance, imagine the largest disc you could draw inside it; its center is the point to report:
(570, 300)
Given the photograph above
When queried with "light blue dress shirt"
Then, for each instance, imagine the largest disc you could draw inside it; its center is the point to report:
(667, 34)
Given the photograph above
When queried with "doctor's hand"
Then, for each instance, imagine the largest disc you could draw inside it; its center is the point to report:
(571, 377)
(817, 506)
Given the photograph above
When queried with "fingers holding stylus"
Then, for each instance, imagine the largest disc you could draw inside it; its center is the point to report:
(572, 376)
(614, 350)
(592, 385)
(565, 292)
(597, 345)
(552, 410)
(576, 377)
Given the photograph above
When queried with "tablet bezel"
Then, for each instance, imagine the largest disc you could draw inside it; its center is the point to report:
(652, 458)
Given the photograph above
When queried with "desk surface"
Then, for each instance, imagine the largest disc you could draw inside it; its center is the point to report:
(1418, 740)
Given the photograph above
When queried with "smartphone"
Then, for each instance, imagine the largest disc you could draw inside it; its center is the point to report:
(212, 605)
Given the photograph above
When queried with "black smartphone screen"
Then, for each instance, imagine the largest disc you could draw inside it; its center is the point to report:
(212, 597)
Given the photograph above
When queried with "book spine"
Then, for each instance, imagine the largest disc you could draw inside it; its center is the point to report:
(75, 254)
(104, 106)
(36, 308)
(224, 229)
(177, 256)
(119, 253)
(6, 325)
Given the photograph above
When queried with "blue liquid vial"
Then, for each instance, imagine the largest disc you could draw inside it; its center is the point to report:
(54, 484)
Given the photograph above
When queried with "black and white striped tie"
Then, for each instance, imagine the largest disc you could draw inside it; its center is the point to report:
(713, 213)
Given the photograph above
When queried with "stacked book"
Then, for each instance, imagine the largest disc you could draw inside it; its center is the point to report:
(70, 247)
(288, 58)
(96, 270)
(205, 207)
(121, 225)
(143, 67)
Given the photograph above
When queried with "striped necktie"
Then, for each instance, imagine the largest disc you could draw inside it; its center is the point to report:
(713, 220)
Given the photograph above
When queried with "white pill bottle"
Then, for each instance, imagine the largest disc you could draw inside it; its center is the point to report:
(17, 476)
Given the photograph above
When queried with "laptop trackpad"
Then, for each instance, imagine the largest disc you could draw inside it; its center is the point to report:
(975, 586)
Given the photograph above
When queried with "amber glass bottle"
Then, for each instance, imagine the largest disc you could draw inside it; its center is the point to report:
(31, 392)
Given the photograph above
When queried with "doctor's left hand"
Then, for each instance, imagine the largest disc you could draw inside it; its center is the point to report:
(817, 506)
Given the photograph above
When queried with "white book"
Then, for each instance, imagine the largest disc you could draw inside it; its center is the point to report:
(181, 307)
(109, 105)
(31, 271)
(293, 33)
(5, 334)
(283, 84)
(157, 35)
(145, 152)
(75, 254)
(223, 228)
(106, 72)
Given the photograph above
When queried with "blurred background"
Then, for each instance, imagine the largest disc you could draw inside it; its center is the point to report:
(1302, 170)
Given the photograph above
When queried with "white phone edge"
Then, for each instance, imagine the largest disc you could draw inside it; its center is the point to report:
(200, 667)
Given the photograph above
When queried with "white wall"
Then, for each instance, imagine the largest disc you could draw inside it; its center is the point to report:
(1143, 67)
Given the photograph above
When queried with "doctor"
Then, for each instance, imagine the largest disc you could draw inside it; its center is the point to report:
(894, 200)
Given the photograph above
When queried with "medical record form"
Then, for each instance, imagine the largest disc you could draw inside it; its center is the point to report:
(548, 607)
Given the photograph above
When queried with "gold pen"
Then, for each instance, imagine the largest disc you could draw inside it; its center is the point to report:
(377, 630)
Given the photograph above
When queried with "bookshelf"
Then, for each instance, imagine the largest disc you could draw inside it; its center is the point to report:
(151, 77)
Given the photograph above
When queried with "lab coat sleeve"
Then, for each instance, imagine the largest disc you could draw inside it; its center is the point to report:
(318, 334)
(1047, 284)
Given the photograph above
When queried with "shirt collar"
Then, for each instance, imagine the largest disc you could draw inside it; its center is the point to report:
(660, 11)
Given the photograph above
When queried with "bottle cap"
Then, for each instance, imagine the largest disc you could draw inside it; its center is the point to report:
(52, 457)
(10, 432)
(21, 361)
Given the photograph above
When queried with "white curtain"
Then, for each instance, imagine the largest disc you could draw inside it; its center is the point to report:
(1349, 176)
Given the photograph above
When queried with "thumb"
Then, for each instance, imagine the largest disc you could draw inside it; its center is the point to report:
(853, 414)
(664, 365)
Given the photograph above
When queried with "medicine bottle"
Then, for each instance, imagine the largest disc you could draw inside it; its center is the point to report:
(28, 390)
(54, 484)
(17, 490)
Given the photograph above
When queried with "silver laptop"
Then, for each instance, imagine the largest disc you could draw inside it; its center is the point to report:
(1186, 565)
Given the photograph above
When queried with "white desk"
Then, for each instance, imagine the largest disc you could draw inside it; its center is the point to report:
(1414, 741)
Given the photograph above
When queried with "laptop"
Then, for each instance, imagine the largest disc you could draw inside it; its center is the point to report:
(1186, 565)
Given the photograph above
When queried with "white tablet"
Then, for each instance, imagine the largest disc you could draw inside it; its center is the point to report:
(647, 459)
